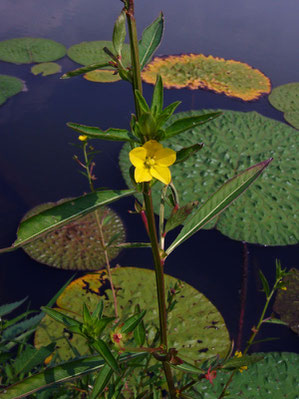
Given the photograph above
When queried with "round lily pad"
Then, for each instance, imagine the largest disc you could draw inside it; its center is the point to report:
(286, 302)
(77, 245)
(196, 328)
(87, 53)
(266, 212)
(9, 86)
(46, 68)
(196, 71)
(101, 76)
(275, 377)
(285, 97)
(26, 50)
(292, 117)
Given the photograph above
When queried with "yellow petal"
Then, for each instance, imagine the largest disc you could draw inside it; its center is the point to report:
(165, 157)
(152, 146)
(137, 156)
(142, 174)
(161, 173)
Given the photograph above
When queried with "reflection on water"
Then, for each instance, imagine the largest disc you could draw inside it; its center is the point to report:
(36, 159)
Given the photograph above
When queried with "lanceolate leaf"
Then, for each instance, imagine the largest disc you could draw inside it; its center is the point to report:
(58, 374)
(101, 381)
(102, 348)
(119, 33)
(132, 322)
(31, 358)
(9, 307)
(32, 228)
(187, 152)
(151, 38)
(80, 71)
(157, 100)
(216, 204)
(109, 134)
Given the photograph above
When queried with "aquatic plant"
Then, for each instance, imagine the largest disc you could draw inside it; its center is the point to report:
(9, 86)
(46, 68)
(196, 71)
(285, 98)
(101, 76)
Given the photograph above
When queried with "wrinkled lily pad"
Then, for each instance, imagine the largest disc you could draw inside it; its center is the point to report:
(196, 328)
(196, 71)
(101, 76)
(292, 117)
(46, 68)
(266, 213)
(87, 53)
(285, 98)
(275, 377)
(287, 301)
(26, 50)
(77, 245)
(9, 86)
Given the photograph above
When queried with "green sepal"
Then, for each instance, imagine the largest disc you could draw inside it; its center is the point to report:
(85, 69)
(119, 33)
(102, 348)
(157, 99)
(132, 322)
(185, 153)
(113, 134)
(265, 283)
(150, 40)
(101, 381)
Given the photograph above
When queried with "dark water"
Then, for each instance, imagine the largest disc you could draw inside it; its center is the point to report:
(36, 159)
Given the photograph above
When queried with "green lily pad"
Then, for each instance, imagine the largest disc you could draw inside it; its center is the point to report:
(275, 377)
(87, 53)
(196, 71)
(9, 86)
(292, 117)
(46, 68)
(101, 76)
(266, 213)
(195, 326)
(26, 50)
(286, 302)
(77, 245)
(285, 97)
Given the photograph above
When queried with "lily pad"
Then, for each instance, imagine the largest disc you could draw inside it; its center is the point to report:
(46, 68)
(196, 71)
(77, 245)
(292, 117)
(286, 302)
(275, 377)
(266, 213)
(26, 50)
(285, 97)
(9, 86)
(195, 326)
(87, 53)
(101, 76)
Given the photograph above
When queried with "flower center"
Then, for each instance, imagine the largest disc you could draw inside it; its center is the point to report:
(149, 162)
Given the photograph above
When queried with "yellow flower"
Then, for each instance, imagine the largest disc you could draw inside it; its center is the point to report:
(239, 354)
(82, 137)
(152, 160)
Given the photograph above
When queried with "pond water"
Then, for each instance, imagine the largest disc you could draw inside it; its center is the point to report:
(36, 163)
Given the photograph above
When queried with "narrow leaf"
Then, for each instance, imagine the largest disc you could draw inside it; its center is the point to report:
(132, 322)
(134, 245)
(32, 357)
(265, 283)
(101, 381)
(57, 295)
(177, 218)
(10, 307)
(237, 362)
(60, 317)
(275, 321)
(111, 134)
(139, 332)
(51, 219)
(157, 100)
(218, 202)
(85, 69)
(119, 33)
(97, 313)
(187, 152)
(150, 40)
(141, 102)
(183, 124)
(12, 332)
(188, 368)
(166, 113)
(102, 348)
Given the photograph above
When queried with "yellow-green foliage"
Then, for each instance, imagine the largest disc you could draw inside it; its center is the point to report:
(196, 71)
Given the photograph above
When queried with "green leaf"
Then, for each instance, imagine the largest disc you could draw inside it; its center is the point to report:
(141, 102)
(59, 374)
(12, 332)
(183, 154)
(188, 368)
(10, 307)
(86, 314)
(97, 313)
(273, 320)
(54, 298)
(150, 40)
(109, 134)
(61, 318)
(119, 33)
(166, 113)
(31, 358)
(82, 70)
(219, 201)
(134, 245)
(131, 323)
(46, 68)
(139, 332)
(246, 360)
(183, 124)
(32, 228)
(101, 381)
(102, 348)
(177, 218)
(9, 86)
(157, 100)
(265, 283)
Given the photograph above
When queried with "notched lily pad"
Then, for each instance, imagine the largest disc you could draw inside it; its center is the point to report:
(196, 71)
(87, 53)
(287, 301)
(9, 86)
(77, 245)
(285, 98)
(195, 326)
(101, 76)
(266, 213)
(26, 50)
(46, 68)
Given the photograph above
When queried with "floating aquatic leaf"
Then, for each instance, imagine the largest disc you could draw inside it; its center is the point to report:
(87, 53)
(77, 245)
(292, 117)
(286, 302)
(102, 76)
(275, 376)
(26, 50)
(196, 71)
(266, 213)
(195, 326)
(285, 98)
(46, 68)
(9, 86)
